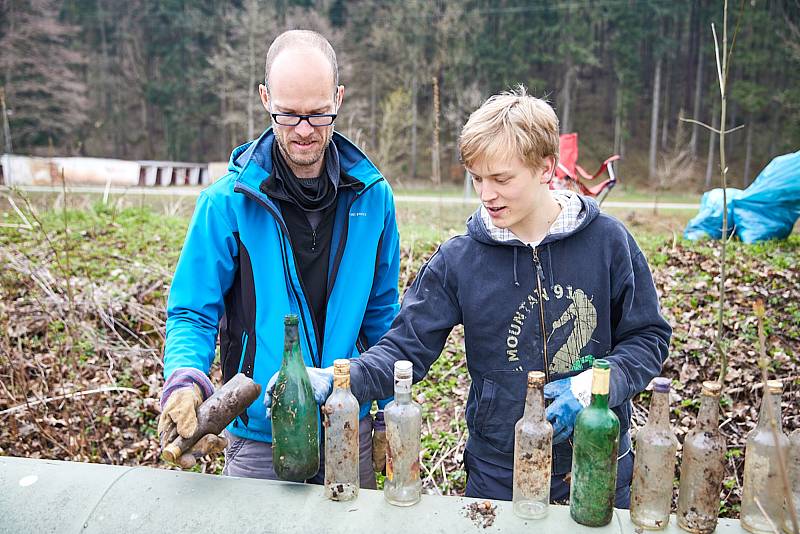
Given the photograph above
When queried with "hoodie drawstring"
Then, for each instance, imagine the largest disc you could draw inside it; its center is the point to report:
(516, 282)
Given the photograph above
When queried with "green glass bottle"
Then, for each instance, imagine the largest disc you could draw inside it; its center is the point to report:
(594, 455)
(295, 415)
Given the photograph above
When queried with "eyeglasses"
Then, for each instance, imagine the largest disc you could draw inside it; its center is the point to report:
(293, 119)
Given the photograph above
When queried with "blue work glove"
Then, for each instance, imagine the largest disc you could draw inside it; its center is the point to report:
(570, 396)
(321, 384)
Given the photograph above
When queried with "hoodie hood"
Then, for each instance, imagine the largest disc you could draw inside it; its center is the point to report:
(477, 230)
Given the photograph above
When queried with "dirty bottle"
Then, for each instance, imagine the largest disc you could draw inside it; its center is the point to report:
(341, 437)
(216, 412)
(794, 480)
(533, 453)
(702, 467)
(654, 468)
(594, 455)
(295, 415)
(762, 490)
(402, 486)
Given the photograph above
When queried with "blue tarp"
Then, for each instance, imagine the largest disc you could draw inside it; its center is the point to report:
(767, 209)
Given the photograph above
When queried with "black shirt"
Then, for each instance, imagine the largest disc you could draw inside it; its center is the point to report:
(308, 206)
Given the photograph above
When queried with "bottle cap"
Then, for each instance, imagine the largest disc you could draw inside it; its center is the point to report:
(290, 320)
(775, 386)
(535, 379)
(711, 388)
(341, 367)
(661, 384)
(601, 376)
(403, 369)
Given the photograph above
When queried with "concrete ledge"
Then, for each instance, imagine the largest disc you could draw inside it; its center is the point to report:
(39, 496)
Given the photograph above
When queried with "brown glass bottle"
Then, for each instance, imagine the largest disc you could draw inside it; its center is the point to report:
(702, 467)
(654, 469)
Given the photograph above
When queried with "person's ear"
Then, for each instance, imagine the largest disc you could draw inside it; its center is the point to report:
(549, 171)
(264, 94)
(339, 96)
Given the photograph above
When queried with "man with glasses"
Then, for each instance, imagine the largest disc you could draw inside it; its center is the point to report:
(303, 223)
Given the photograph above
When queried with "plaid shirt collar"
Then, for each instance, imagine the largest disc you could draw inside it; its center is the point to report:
(568, 220)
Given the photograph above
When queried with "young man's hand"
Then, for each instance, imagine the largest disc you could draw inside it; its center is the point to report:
(570, 396)
(321, 383)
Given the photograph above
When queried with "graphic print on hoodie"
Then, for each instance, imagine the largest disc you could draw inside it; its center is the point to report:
(587, 291)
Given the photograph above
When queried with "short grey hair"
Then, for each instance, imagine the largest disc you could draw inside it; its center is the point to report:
(301, 39)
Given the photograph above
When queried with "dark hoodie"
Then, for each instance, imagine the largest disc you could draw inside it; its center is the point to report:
(597, 300)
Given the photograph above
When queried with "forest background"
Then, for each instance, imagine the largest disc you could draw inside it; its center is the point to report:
(177, 79)
(85, 278)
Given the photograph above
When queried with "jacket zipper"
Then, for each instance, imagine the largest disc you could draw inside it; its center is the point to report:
(316, 361)
(539, 275)
(337, 259)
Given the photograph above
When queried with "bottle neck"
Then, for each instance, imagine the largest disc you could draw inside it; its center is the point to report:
(770, 401)
(341, 381)
(708, 416)
(534, 404)
(402, 390)
(659, 410)
(599, 400)
(600, 386)
(291, 346)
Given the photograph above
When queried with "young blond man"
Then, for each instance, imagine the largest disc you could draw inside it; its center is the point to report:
(541, 281)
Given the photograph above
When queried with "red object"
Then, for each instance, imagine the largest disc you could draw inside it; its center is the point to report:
(569, 174)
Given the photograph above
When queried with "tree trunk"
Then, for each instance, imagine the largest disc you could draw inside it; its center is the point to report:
(436, 172)
(251, 69)
(566, 99)
(373, 131)
(698, 96)
(666, 111)
(712, 146)
(748, 158)
(654, 120)
(414, 123)
(618, 120)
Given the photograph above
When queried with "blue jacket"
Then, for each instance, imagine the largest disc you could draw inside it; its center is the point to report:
(237, 276)
(578, 295)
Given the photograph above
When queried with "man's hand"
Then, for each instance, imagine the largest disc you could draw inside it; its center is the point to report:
(210, 444)
(321, 384)
(179, 416)
(570, 396)
(379, 443)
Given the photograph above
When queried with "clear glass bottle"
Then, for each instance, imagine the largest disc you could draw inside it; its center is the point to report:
(594, 455)
(295, 414)
(533, 454)
(702, 467)
(794, 480)
(341, 437)
(654, 468)
(403, 416)
(762, 475)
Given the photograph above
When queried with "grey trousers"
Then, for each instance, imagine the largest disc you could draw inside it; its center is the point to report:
(253, 459)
